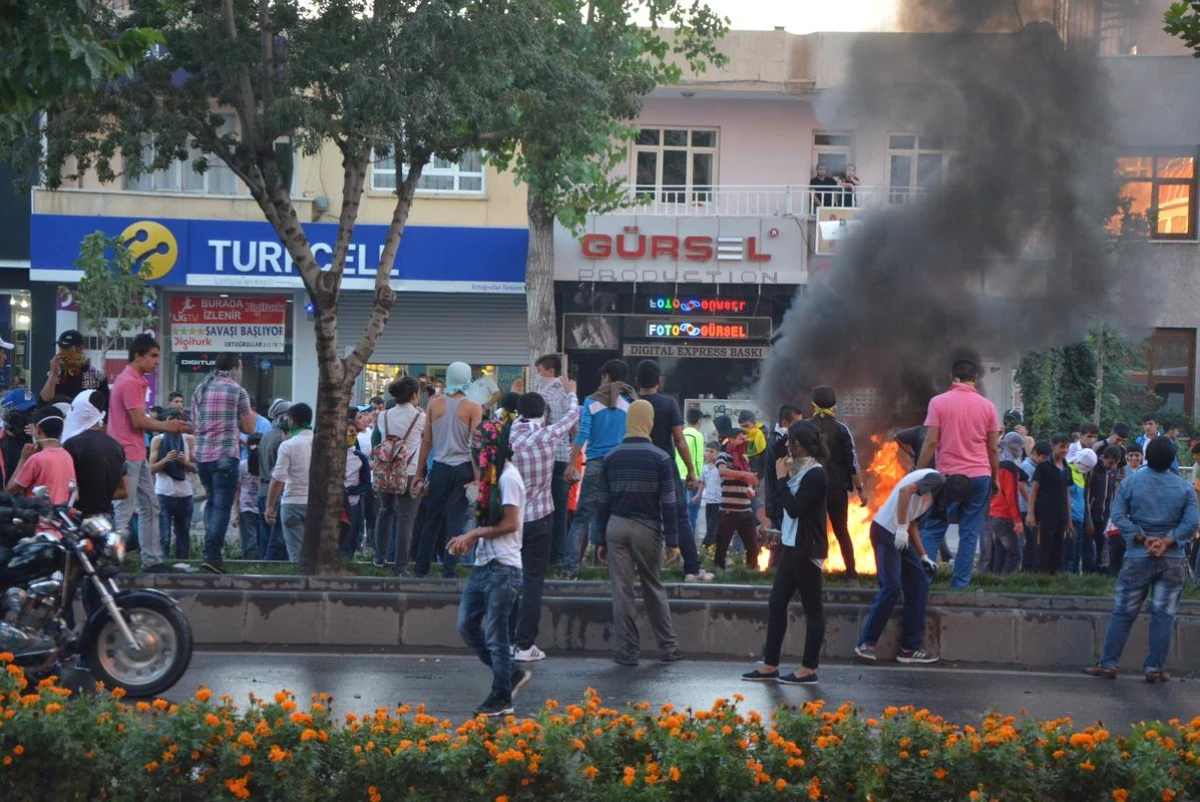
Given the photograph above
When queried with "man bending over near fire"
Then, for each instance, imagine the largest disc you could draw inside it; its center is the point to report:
(901, 560)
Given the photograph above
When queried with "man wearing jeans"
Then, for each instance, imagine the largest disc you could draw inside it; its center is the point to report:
(451, 418)
(601, 429)
(534, 447)
(552, 389)
(270, 536)
(220, 412)
(1155, 511)
(484, 614)
(962, 433)
(287, 499)
(128, 424)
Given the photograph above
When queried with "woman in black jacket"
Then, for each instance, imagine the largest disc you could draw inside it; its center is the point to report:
(841, 470)
(801, 487)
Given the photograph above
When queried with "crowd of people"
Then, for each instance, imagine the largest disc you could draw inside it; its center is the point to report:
(516, 483)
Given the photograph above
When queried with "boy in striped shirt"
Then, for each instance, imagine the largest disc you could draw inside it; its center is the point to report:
(737, 493)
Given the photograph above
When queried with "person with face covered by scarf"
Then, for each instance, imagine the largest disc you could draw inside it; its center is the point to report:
(901, 560)
(70, 371)
(737, 493)
(841, 468)
(1000, 546)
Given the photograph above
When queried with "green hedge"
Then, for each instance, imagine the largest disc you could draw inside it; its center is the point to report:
(100, 748)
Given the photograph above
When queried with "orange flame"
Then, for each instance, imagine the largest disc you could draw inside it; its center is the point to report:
(882, 475)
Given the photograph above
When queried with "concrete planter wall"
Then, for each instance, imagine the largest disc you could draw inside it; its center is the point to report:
(718, 620)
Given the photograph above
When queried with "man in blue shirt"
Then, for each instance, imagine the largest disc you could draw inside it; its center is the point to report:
(601, 429)
(1156, 512)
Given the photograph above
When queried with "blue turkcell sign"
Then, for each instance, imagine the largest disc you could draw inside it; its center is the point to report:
(227, 253)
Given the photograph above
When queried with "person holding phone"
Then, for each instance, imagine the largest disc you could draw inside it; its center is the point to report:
(171, 460)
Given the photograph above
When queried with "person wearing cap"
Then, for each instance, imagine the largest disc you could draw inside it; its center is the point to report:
(99, 459)
(450, 421)
(1155, 512)
(999, 548)
(270, 535)
(842, 467)
(636, 515)
(902, 562)
(70, 371)
(963, 434)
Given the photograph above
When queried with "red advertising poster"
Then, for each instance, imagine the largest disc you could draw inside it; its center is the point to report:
(242, 324)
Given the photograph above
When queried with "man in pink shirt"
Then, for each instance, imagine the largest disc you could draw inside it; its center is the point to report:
(963, 429)
(128, 424)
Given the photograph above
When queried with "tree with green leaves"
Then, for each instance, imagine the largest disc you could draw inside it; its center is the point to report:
(1183, 20)
(58, 51)
(113, 298)
(569, 112)
(409, 78)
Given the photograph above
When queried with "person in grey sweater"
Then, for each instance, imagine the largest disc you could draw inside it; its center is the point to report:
(270, 535)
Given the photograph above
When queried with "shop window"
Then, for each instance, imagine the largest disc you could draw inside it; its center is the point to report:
(218, 179)
(675, 165)
(1170, 369)
(916, 163)
(15, 322)
(441, 175)
(1162, 188)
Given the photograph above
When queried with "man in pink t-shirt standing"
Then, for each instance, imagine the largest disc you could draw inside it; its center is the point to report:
(963, 432)
(128, 424)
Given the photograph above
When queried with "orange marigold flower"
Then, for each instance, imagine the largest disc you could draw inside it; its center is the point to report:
(244, 760)
(118, 693)
(203, 695)
(152, 766)
(7, 760)
(1058, 754)
(502, 798)
(1086, 766)
(590, 772)
(1082, 739)
(1151, 735)
(52, 708)
(780, 784)
(277, 754)
(308, 735)
(211, 720)
(246, 739)
(814, 788)
(1120, 795)
(18, 750)
(975, 795)
(1168, 795)
(940, 774)
(160, 704)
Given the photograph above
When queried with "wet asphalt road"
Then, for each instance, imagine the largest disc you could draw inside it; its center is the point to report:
(452, 685)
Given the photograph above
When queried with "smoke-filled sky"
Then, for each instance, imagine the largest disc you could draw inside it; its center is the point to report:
(951, 274)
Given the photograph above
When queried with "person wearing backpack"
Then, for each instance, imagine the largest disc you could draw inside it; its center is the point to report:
(394, 463)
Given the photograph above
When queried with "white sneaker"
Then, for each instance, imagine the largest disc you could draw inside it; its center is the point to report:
(700, 576)
(530, 655)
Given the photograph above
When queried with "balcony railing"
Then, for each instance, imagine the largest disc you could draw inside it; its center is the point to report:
(759, 201)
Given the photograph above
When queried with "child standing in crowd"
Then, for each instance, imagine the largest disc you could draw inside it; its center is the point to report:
(1134, 457)
(737, 493)
(245, 512)
(1049, 507)
(710, 482)
(1074, 553)
(1102, 488)
(45, 461)
(1000, 546)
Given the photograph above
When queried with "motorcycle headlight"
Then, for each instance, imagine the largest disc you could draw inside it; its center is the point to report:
(114, 547)
(96, 526)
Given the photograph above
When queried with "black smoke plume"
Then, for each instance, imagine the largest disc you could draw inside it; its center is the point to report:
(1007, 253)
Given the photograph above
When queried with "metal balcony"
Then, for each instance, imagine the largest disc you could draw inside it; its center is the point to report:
(758, 201)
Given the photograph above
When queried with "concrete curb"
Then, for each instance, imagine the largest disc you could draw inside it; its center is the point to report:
(1033, 632)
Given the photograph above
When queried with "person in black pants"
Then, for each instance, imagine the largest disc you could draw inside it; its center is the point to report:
(737, 492)
(801, 488)
(841, 470)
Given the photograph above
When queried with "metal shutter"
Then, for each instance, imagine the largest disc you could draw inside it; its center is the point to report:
(439, 328)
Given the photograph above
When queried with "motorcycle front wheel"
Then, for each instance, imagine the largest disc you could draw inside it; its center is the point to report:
(164, 651)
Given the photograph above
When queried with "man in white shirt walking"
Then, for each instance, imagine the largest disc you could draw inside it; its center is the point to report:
(289, 479)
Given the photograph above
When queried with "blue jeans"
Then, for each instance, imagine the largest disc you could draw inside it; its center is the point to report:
(693, 509)
(352, 531)
(687, 533)
(291, 521)
(175, 517)
(1160, 578)
(448, 494)
(970, 521)
(1078, 550)
(899, 571)
(585, 512)
(248, 530)
(559, 492)
(483, 620)
(220, 480)
(270, 536)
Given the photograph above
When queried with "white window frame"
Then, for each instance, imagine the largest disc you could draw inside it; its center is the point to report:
(176, 175)
(386, 167)
(901, 194)
(839, 150)
(675, 193)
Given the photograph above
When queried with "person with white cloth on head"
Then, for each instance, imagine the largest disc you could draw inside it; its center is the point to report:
(99, 459)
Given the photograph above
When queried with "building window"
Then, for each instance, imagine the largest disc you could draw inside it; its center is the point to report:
(1170, 369)
(675, 165)
(1163, 188)
(218, 179)
(915, 163)
(440, 175)
(834, 151)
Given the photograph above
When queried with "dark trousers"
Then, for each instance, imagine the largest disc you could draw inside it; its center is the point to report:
(796, 573)
(1047, 547)
(175, 517)
(1116, 554)
(559, 492)
(900, 571)
(537, 538)
(837, 504)
(712, 522)
(270, 536)
(447, 494)
(746, 527)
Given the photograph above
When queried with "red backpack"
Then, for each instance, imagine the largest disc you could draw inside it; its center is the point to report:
(391, 458)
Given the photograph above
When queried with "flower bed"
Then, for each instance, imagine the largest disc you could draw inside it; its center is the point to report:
(101, 748)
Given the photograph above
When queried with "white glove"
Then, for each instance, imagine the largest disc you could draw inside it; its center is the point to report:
(930, 565)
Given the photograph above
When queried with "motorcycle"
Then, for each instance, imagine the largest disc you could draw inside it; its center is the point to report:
(137, 640)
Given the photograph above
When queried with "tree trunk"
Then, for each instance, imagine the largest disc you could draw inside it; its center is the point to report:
(539, 281)
(1100, 343)
(320, 554)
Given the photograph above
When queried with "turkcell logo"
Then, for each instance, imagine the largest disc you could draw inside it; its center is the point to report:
(269, 257)
(152, 247)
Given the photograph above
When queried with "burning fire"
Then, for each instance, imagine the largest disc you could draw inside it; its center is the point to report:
(882, 475)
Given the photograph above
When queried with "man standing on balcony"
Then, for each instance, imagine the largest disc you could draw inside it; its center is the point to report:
(963, 433)
(824, 179)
